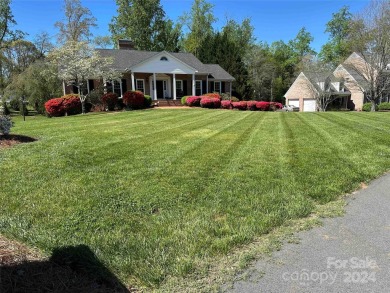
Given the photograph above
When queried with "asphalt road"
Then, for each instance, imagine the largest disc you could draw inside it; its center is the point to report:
(347, 254)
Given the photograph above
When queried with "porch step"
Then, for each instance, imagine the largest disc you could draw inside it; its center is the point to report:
(167, 103)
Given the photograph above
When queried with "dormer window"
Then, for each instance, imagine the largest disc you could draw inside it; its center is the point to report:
(163, 58)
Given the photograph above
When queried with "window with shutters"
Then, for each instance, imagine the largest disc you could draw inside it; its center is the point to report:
(117, 88)
(198, 87)
(140, 85)
(217, 87)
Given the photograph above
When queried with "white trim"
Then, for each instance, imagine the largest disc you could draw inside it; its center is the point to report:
(174, 87)
(154, 86)
(132, 82)
(161, 54)
(119, 81)
(164, 78)
(193, 85)
(181, 84)
(201, 86)
(136, 84)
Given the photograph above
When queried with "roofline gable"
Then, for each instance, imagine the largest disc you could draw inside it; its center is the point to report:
(346, 70)
(162, 53)
(301, 75)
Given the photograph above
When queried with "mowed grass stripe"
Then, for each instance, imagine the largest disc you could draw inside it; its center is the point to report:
(155, 200)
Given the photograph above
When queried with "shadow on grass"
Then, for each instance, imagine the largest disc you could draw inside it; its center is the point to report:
(69, 269)
(12, 139)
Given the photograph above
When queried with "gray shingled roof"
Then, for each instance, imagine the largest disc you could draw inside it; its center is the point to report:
(125, 59)
(360, 79)
(218, 72)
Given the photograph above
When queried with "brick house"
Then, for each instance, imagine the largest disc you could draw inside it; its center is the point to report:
(162, 75)
(348, 83)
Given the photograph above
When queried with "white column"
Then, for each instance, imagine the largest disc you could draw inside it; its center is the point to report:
(207, 84)
(132, 82)
(155, 86)
(174, 87)
(193, 85)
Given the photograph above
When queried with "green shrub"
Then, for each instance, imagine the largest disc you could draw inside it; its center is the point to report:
(5, 108)
(367, 107)
(148, 101)
(184, 100)
(15, 104)
(5, 124)
(234, 99)
(384, 106)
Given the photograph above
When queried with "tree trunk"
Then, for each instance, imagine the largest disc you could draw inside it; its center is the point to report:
(373, 106)
(83, 107)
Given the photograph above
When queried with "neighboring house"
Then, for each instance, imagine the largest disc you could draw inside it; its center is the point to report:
(310, 87)
(162, 75)
(347, 84)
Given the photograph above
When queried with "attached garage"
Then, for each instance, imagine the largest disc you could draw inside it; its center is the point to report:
(294, 103)
(309, 105)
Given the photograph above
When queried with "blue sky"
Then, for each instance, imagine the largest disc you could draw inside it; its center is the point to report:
(273, 20)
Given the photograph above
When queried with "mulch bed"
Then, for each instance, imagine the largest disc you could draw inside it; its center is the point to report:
(24, 270)
(12, 139)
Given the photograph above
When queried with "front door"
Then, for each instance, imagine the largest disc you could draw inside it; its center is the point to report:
(160, 89)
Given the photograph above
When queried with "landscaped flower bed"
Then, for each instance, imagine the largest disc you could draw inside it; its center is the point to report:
(213, 101)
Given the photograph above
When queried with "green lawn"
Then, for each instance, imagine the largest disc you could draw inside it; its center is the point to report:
(154, 192)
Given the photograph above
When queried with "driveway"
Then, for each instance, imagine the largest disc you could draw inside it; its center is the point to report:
(346, 254)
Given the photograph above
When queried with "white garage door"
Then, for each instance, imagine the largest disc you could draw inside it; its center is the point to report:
(294, 103)
(309, 105)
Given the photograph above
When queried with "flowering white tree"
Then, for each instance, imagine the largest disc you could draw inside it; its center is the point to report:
(77, 62)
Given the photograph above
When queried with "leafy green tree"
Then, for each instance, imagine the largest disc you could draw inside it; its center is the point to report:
(76, 26)
(38, 83)
(199, 24)
(220, 49)
(19, 55)
(7, 35)
(261, 69)
(338, 46)
(240, 34)
(144, 22)
(300, 45)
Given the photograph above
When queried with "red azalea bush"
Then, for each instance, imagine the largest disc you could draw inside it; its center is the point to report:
(134, 99)
(207, 102)
(193, 101)
(275, 106)
(226, 104)
(263, 106)
(239, 105)
(110, 100)
(251, 105)
(71, 104)
(54, 107)
(213, 95)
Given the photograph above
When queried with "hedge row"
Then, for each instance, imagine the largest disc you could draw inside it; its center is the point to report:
(215, 102)
(71, 104)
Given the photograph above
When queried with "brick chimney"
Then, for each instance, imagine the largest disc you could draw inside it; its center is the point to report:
(126, 45)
